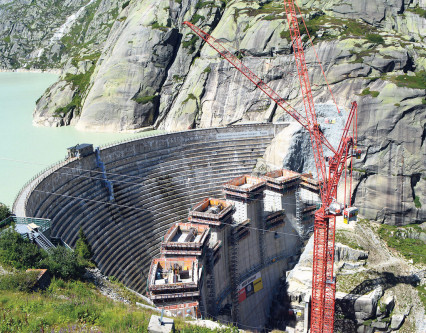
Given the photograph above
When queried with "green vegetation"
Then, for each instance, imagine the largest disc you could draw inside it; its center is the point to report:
(18, 252)
(64, 263)
(356, 28)
(375, 38)
(367, 322)
(4, 211)
(417, 81)
(417, 10)
(19, 281)
(270, 17)
(368, 92)
(396, 238)
(79, 83)
(346, 28)
(67, 305)
(190, 44)
(207, 69)
(359, 58)
(124, 5)
(76, 306)
(75, 40)
(345, 238)
(273, 11)
(144, 99)
(346, 283)
(190, 96)
(203, 4)
(177, 78)
(156, 25)
(83, 248)
(6, 39)
(313, 27)
(421, 289)
(285, 34)
(196, 18)
(73, 306)
(417, 202)
(423, 101)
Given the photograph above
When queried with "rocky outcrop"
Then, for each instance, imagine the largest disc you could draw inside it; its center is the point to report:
(56, 98)
(133, 64)
(131, 70)
(68, 29)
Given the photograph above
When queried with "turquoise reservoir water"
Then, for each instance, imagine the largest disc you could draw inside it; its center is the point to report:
(24, 149)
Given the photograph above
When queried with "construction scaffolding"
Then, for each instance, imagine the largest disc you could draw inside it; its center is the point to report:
(173, 277)
(185, 239)
(211, 211)
(244, 187)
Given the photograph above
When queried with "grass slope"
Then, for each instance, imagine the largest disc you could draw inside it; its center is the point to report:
(75, 306)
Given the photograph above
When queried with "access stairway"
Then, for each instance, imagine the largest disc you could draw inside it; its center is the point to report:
(41, 240)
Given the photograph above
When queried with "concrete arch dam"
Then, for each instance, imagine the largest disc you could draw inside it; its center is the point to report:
(155, 181)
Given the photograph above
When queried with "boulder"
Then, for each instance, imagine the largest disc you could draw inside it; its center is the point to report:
(387, 305)
(346, 253)
(397, 321)
(381, 325)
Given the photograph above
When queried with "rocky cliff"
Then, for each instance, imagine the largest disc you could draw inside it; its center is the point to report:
(132, 64)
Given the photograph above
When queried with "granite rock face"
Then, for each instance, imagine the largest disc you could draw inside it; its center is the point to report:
(132, 64)
(69, 28)
(125, 85)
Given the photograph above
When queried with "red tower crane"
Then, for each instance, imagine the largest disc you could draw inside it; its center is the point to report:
(329, 171)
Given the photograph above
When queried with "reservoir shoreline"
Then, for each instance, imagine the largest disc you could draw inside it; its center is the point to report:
(56, 71)
(26, 150)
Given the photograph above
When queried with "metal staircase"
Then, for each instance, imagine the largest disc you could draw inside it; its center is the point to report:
(42, 241)
(58, 241)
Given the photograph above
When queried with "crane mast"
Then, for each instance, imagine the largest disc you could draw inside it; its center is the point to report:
(323, 281)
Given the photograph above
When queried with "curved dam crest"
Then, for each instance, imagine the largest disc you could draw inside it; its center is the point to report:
(156, 180)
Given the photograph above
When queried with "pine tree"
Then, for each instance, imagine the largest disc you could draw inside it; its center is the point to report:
(4, 211)
(82, 246)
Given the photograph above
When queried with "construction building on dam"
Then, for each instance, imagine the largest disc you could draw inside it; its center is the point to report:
(227, 261)
(202, 234)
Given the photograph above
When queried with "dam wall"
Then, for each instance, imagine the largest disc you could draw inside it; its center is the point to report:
(156, 181)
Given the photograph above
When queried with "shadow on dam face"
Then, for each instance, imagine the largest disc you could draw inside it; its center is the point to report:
(195, 164)
(156, 181)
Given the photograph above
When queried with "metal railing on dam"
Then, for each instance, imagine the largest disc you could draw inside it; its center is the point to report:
(155, 181)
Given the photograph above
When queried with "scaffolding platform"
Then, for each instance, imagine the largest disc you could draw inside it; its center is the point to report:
(282, 180)
(173, 278)
(185, 239)
(212, 212)
(310, 184)
(244, 187)
(275, 220)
